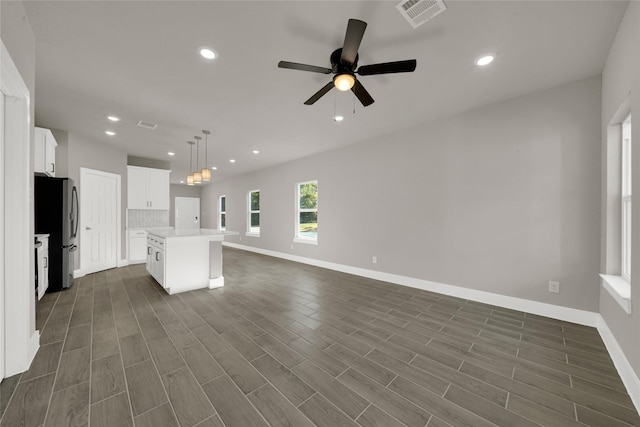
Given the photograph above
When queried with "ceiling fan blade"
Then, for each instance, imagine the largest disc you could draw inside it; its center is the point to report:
(304, 67)
(352, 39)
(362, 94)
(319, 94)
(407, 66)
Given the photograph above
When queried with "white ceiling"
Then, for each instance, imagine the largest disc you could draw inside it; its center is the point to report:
(139, 60)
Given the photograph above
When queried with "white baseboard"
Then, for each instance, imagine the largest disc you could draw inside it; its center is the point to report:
(123, 263)
(78, 273)
(582, 317)
(626, 372)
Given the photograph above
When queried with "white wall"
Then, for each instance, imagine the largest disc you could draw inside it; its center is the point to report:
(500, 199)
(620, 85)
(18, 38)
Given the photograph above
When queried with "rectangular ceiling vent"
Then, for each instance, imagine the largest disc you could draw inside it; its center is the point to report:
(147, 125)
(417, 12)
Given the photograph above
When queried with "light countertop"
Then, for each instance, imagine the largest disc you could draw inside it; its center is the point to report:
(190, 232)
(148, 228)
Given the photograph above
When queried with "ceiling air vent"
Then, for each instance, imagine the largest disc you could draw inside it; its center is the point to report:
(417, 12)
(147, 125)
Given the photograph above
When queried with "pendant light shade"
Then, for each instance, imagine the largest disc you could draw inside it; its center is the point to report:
(206, 172)
(197, 176)
(190, 180)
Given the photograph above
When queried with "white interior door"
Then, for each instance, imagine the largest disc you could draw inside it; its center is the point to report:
(187, 212)
(99, 220)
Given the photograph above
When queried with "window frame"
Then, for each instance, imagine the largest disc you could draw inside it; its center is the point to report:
(249, 232)
(222, 212)
(626, 199)
(297, 238)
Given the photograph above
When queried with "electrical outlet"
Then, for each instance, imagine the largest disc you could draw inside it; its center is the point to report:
(374, 259)
(554, 287)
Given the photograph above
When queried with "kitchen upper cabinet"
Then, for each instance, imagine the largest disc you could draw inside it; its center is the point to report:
(45, 152)
(147, 188)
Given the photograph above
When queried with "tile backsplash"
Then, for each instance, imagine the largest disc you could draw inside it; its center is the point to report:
(140, 218)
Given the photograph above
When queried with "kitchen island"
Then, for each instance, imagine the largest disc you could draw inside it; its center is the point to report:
(186, 259)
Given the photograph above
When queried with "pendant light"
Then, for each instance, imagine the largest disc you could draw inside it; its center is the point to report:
(190, 176)
(197, 176)
(206, 172)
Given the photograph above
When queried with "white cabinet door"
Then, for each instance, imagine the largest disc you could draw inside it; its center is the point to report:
(158, 189)
(39, 151)
(137, 246)
(44, 155)
(147, 188)
(50, 145)
(137, 179)
(43, 266)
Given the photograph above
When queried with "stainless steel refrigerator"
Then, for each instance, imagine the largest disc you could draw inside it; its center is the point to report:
(56, 214)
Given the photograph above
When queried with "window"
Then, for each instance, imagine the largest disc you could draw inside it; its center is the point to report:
(222, 213)
(307, 212)
(626, 199)
(253, 217)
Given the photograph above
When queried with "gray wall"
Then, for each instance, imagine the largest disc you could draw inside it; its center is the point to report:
(148, 163)
(621, 84)
(91, 154)
(500, 199)
(178, 190)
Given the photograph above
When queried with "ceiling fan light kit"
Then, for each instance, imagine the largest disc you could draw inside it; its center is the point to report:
(344, 82)
(344, 64)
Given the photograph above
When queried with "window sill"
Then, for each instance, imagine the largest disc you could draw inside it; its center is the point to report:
(619, 289)
(252, 234)
(305, 241)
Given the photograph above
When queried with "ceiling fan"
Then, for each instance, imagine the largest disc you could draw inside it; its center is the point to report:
(344, 62)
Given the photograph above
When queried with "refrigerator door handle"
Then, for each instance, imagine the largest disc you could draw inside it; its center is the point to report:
(75, 211)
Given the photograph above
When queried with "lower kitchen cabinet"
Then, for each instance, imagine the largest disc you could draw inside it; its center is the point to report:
(137, 240)
(43, 264)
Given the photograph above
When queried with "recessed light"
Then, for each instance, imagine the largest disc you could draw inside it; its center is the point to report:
(338, 118)
(113, 118)
(181, 182)
(214, 168)
(232, 160)
(110, 133)
(256, 151)
(208, 53)
(171, 153)
(485, 59)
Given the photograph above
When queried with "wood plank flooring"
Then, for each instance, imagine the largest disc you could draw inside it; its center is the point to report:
(286, 344)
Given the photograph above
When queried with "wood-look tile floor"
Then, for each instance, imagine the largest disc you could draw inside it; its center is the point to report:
(286, 344)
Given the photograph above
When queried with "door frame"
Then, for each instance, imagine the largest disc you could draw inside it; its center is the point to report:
(21, 339)
(83, 173)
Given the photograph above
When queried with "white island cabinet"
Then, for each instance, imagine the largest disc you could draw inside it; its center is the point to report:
(185, 259)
